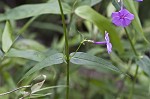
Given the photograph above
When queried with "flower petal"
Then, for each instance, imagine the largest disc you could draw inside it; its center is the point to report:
(129, 16)
(139, 0)
(115, 14)
(106, 37)
(109, 48)
(122, 18)
(117, 21)
(126, 22)
(124, 11)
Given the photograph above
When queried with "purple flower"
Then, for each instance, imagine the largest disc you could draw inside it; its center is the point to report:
(139, 0)
(107, 42)
(109, 45)
(122, 18)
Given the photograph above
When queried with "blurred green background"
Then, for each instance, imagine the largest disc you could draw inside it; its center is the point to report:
(45, 35)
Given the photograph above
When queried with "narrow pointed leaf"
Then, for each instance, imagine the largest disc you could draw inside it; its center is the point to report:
(1, 53)
(102, 23)
(35, 96)
(27, 54)
(93, 2)
(116, 4)
(6, 37)
(85, 59)
(49, 61)
(144, 64)
(88, 2)
(29, 44)
(29, 10)
(36, 87)
(52, 87)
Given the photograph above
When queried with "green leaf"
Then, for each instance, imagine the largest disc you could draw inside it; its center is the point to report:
(49, 61)
(6, 37)
(48, 26)
(35, 96)
(102, 23)
(1, 53)
(116, 4)
(144, 63)
(30, 10)
(29, 44)
(93, 2)
(52, 87)
(4, 89)
(26, 25)
(9, 80)
(36, 87)
(85, 59)
(95, 51)
(136, 22)
(27, 54)
(88, 2)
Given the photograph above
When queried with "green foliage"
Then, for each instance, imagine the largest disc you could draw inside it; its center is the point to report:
(27, 54)
(32, 50)
(136, 22)
(81, 58)
(102, 23)
(7, 37)
(36, 87)
(1, 53)
(35, 10)
(116, 4)
(144, 64)
(48, 61)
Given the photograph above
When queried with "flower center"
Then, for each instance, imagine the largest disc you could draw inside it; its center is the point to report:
(122, 16)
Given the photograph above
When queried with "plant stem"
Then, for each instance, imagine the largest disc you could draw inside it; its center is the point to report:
(121, 1)
(66, 48)
(137, 67)
(15, 90)
(78, 48)
(90, 41)
(132, 46)
(135, 76)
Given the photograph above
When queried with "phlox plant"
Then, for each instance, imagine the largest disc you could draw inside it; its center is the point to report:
(99, 54)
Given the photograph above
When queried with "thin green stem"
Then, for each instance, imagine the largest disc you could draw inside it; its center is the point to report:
(132, 46)
(137, 67)
(78, 48)
(135, 76)
(124, 78)
(66, 48)
(121, 1)
(90, 41)
(2, 94)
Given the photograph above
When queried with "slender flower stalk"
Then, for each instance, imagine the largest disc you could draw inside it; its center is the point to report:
(135, 0)
(103, 42)
(132, 45)
(136, 72)
(106, 42)
(66, 48)
(121, 1)
(139, 0)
